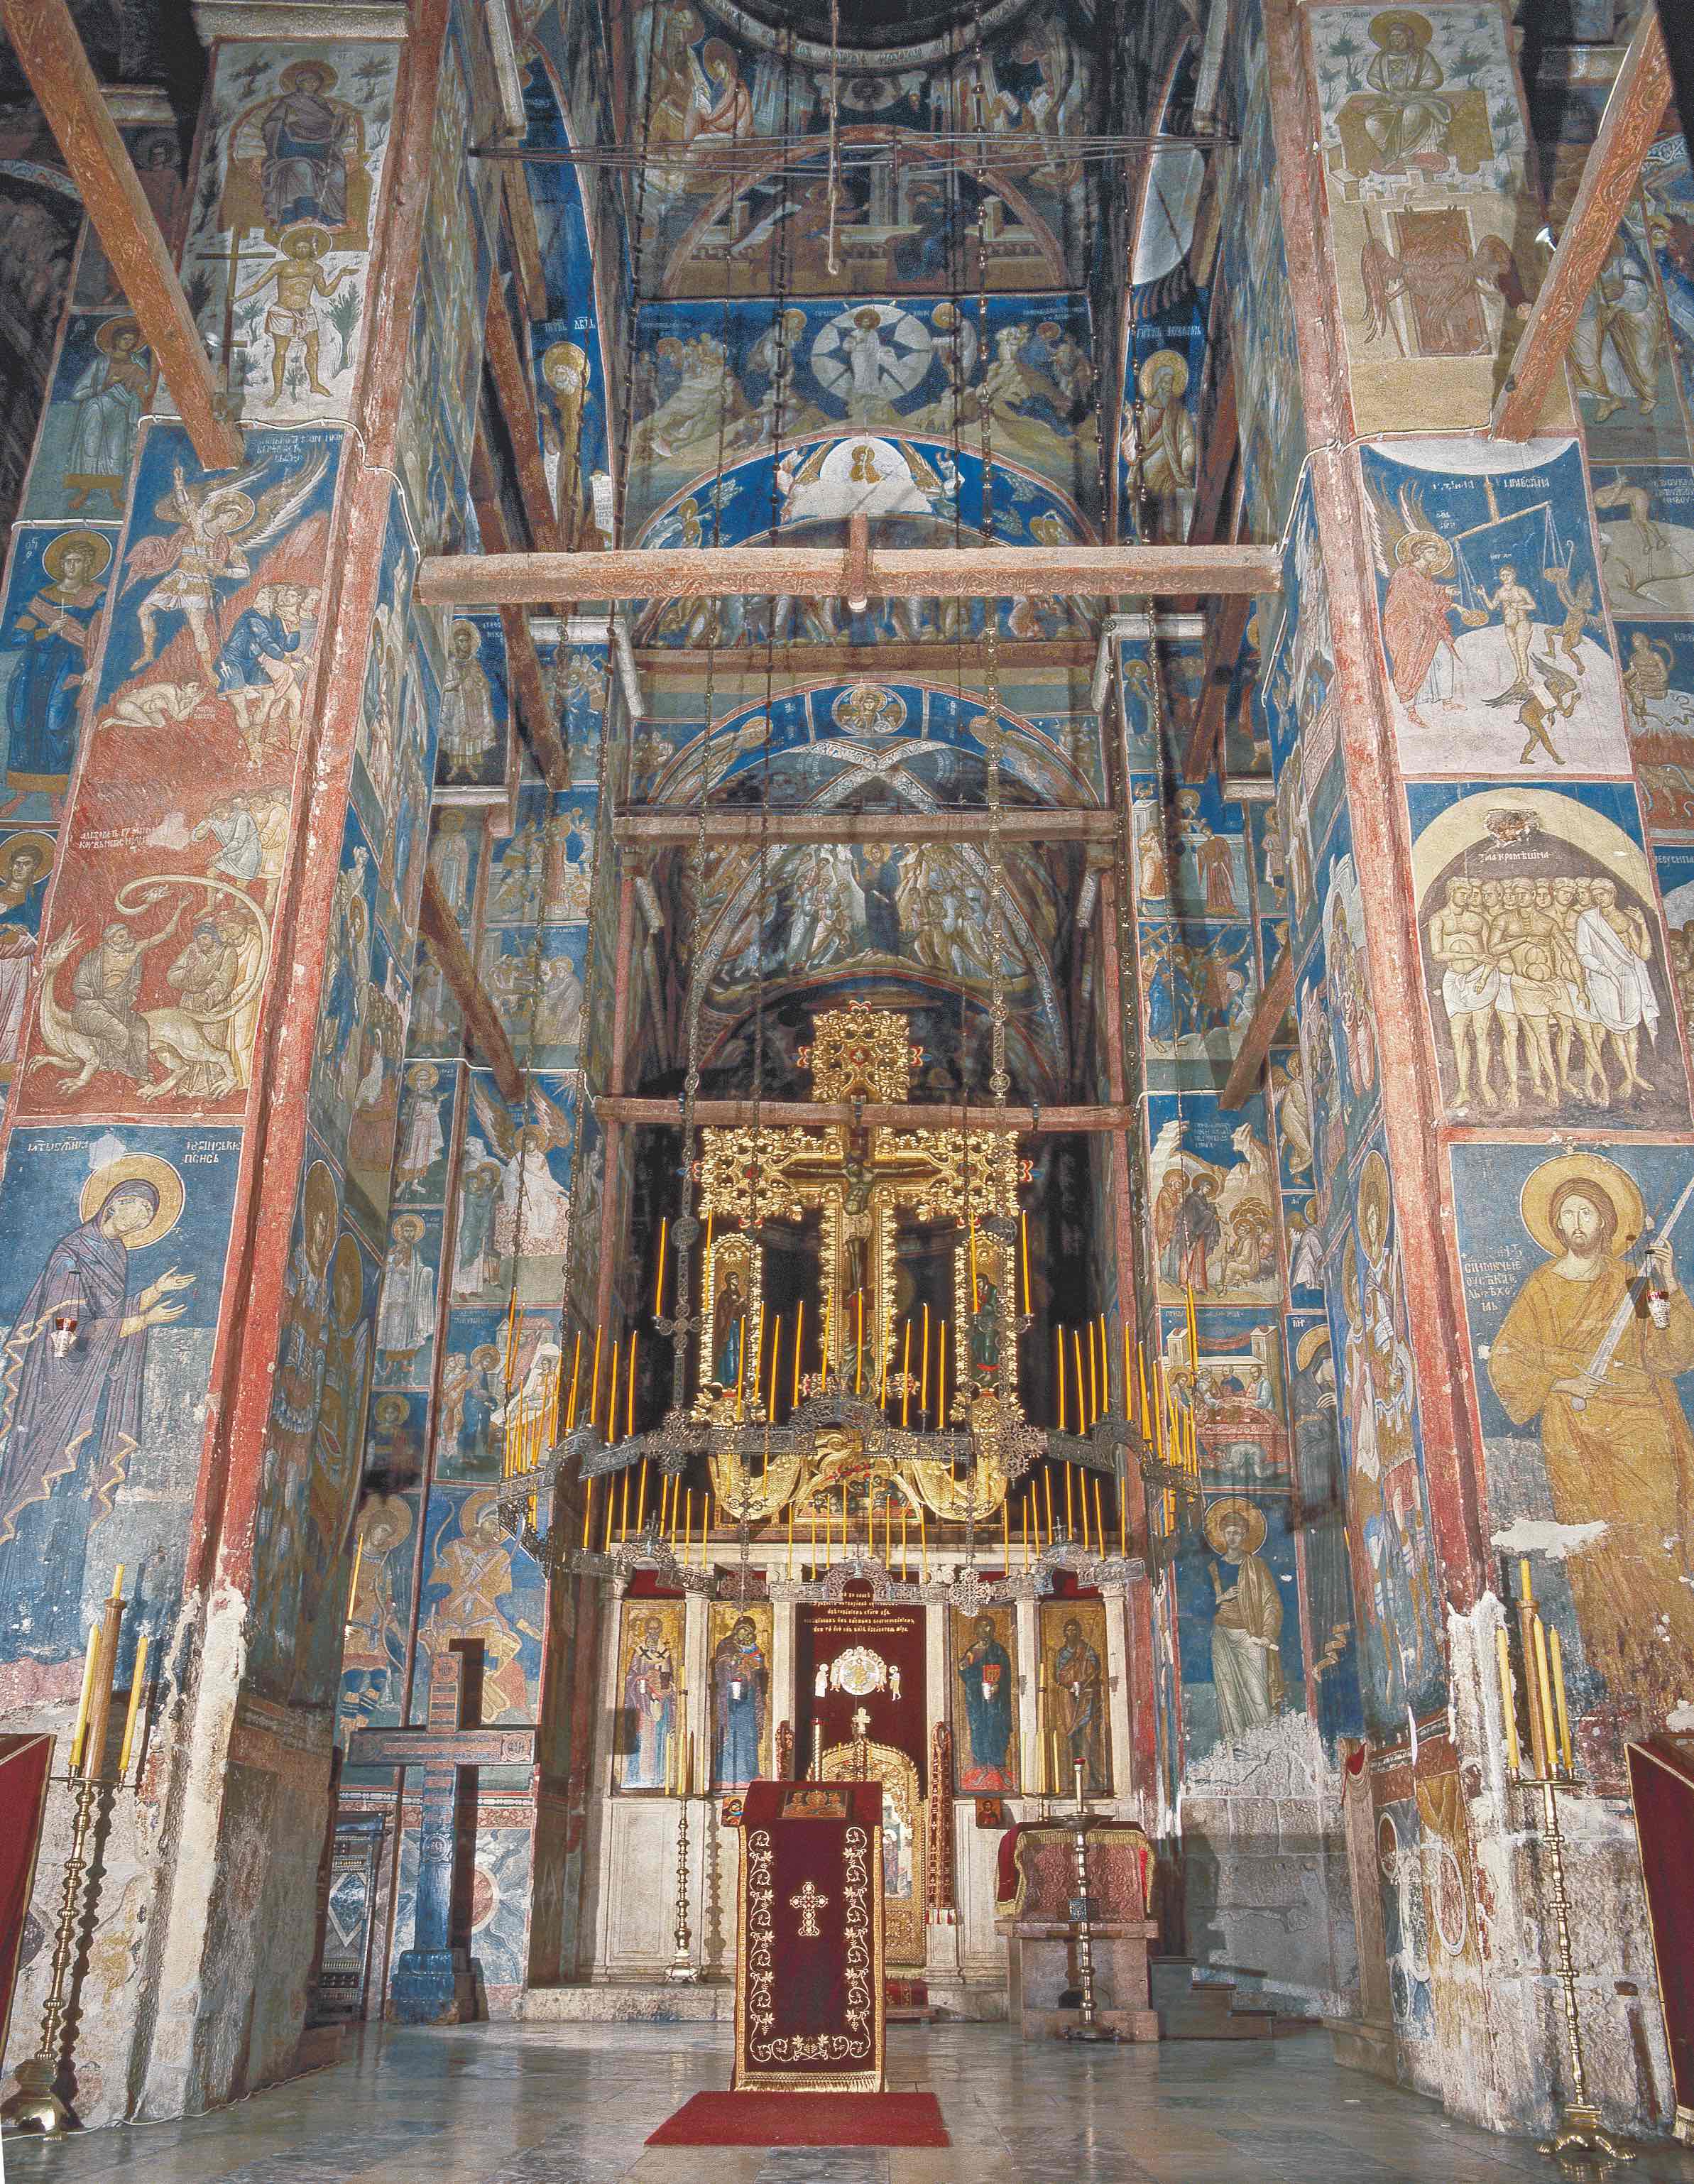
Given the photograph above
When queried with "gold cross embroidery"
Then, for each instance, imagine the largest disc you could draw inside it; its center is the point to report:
(808, 1902)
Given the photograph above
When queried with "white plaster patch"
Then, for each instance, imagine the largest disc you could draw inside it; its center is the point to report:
(1680, 1718)
(1542, 1535)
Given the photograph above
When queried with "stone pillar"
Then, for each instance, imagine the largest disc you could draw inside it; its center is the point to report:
(206, 1092)
(1465, 826)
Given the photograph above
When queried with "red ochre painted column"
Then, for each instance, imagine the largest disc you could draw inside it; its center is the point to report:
(1485, 944)
(199, 1143)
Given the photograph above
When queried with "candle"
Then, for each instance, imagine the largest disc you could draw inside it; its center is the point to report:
(941, 1374)
(1508, 1711)
(1075, 1350)
(1524, 1591)
(1542, 1700)
(1099, 1521)
(906, 1376)
(576, 1368)
(1093, 1380)
(1026, 1531)
(800, 1332)
(858, 1341)
(1193, 1334)
(1082, 1496)
(975, 1293)
(1005, 1528)
(623, 1521)
(1123, 1518)
(741, 1365)
(641, 1498)
(1564, 1718)
(629, 1421)
(1047, 1491)
(687, 1519)
(1059, 1340)
(1069, 1519)
(1023, 1224)
(659, 1285)
(135, 1702)
(1105, 1370)
(587, 1513)
(76, 1734)
(924, 1389)
(117, 1591)
(595, 1379)
(612, 1512)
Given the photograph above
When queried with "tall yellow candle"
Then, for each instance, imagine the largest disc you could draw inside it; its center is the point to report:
(588, 1512)
(595, 1379)
(623, 1520)
(1561, 1715)
(941, 1374)
(1543, 1695)
(923, 1386)
(1069, 1519)
(1141, 1377)
(1524, 1591)
(1059, 1375)
(611, 1397)
(576, 1368)
(83, 1703)
(1508, 1711)
(799, 1333)
(923, 1547)
(611, 1514)
(1076, 1354)
(1098, 1520)
(687, 1520)
(1093, 1380)
(1023, 1224)
(136, 1676)
(906, 1376)
(641, 1497)
(629, 1421)
(659, 1284)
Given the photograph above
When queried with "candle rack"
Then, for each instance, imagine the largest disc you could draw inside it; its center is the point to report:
(38, 2108)
(1578, 2131)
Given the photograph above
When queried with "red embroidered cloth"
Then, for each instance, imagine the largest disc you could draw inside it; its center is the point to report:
(1036, 1872)
(808, 1939)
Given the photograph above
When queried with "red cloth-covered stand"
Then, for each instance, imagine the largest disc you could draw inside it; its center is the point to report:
(808, 1939)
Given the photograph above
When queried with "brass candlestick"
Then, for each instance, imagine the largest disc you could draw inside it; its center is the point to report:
(682, 1970)
(1550, 1770)
(38, 2107)
(1088, 2026)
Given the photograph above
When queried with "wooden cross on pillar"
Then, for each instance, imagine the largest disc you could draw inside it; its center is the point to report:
(435, 1981)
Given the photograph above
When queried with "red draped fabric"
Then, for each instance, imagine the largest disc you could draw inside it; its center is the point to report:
(1036, 1868)
(808, 1939)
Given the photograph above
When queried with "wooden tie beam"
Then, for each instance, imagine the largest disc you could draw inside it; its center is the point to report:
(1274, 1002)
(440, 928)
(535, 710)
(1634, 108)
(661, 828)
(1222, 650)
(824, 573)
(45, 38)
(738, 1114)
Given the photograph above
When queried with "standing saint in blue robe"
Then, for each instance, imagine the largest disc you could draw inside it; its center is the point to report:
(728, 1331)
(70, 1413)
(740, 1683)
(985, 1676)
(54, 629)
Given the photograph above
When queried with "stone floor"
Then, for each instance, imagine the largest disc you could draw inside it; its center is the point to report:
(571, 2104)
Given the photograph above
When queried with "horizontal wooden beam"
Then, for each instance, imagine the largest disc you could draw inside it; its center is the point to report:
(935, 661)
(1274, 1001)
(823, 572)
(49, 48)
(487, 1034)
(1634, 108)
(1222, 650)
(737, 1114)
(655, 827)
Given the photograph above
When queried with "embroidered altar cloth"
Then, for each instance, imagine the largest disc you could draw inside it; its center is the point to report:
(808, 1939)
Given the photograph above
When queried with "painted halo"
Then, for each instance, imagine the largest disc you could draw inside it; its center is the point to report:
(1603, 1177)
(1418, 29)
(95, 544)
(1375, 1207)
(1250, 1514)
(1314, 1340)
(138, 1167)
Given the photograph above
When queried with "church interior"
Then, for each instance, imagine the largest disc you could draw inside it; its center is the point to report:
(838, 1266)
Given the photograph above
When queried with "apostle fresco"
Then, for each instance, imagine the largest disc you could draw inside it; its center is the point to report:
(299, 156)
(25, 861)
(71, 1413)
(740, 1693)
(650, 1703)
(1078, 1700)
(985, 1679)
(1579, 1358)
(108, 397)
(55, 629)
(1246, 1659)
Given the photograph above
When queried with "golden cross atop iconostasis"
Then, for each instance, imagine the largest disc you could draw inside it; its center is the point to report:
(861, 1181)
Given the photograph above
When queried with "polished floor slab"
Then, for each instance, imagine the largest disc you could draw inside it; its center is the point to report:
(574, 2104)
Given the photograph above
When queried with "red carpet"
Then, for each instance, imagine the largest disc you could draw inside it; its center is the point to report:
(805, 2119)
